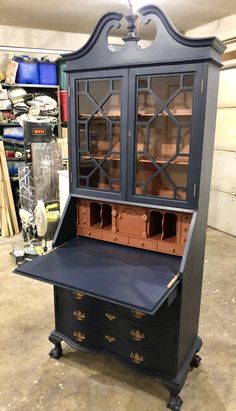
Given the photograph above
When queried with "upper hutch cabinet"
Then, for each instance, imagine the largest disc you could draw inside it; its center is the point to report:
(137, 122)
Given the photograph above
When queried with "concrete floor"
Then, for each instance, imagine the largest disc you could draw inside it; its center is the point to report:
(30, 380)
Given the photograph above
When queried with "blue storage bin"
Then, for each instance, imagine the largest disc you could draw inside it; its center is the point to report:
(47, 72)
(13, 167)
(16, 133)
(28, 70)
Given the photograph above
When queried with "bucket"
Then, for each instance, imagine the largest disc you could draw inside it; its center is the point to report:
(63, 100)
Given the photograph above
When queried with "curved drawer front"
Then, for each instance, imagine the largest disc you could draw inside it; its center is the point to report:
(76, 296)
(154, 337)
(110, 342)
(166, 315)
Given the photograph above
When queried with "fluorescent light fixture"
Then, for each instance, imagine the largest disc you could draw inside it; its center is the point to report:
(34, 50)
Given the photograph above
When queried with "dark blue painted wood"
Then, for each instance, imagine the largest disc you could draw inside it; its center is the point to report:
(129, 276)
(169, 46)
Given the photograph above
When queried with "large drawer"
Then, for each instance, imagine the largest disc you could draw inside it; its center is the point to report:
(106, 341)
(150, 336)
(166, 315)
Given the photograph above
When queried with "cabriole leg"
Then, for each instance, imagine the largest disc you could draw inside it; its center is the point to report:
(174, 403)
(56, 352)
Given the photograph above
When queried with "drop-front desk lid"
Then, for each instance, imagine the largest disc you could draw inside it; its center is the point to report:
(135, 278)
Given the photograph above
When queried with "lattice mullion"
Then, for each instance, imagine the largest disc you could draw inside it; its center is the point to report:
(169, 179)
(110, 136)
(172, 97)
(170, 161)
(178, 139)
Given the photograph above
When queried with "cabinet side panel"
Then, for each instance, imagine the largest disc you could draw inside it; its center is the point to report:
(66, 229)
(193, 269)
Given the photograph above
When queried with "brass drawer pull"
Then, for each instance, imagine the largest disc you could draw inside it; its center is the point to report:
(78, 296)
(79, 315)
(109, 338)
(137, 335)
(110, 317)
(137, 358)
(138, 314)
(79, 337)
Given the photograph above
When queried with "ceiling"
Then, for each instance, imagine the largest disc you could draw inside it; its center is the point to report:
(81, 16)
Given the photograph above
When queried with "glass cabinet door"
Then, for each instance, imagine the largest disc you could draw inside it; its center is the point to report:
(99, 134)
(162, 135)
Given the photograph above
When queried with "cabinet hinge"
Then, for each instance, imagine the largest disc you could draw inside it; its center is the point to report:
(69, 91)
(71, 176)
(194, 190)
(202, 86)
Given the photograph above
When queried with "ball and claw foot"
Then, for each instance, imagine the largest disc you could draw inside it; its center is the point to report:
(56, 352)
(174, 403)
(195, 361)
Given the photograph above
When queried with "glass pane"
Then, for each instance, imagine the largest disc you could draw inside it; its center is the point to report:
(163, 135)
(178, 172)
(99, 134)
(185, 139)
(86, 107)
(145, 168)
(148, 105)
(165, 188)
(141, 138)
(116, 137)
(99, 89)
(163, 132)
(116, 85)
(165, 86)
(87, 164)
(182, 103)
(188, 80)
(99, 180)
(112, 107)
(139, 189)
(142, 82)
(181, 194)
(82, 86)
(83, 182)
(111, 167)
(82, 136)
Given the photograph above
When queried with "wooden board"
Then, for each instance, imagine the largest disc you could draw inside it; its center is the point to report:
(3, 211)
(7, 192)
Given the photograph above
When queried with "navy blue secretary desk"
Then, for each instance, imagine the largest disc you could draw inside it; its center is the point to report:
(128, 253)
